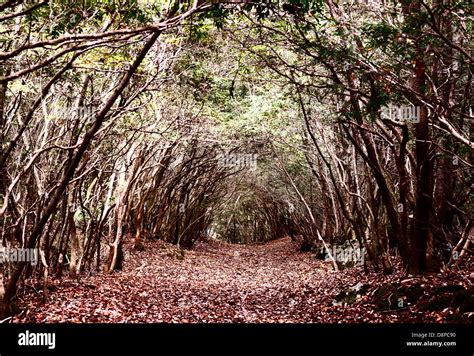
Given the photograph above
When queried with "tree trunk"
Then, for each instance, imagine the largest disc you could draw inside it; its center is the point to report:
(421, 232)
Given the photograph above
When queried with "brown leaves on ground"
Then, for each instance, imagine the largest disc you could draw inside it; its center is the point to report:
(218, 282)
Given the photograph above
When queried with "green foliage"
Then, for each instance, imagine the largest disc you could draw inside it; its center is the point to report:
(217, 13)
(380, 34)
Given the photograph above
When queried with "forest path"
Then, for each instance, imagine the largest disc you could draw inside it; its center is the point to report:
(214, 282)
(222, 283)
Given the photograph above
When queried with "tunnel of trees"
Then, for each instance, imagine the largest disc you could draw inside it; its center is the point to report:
(237, 120)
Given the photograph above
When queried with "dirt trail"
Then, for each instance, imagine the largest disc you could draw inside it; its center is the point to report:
(213, 283)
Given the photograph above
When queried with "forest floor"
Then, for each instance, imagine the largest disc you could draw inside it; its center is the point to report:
(267, 283)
